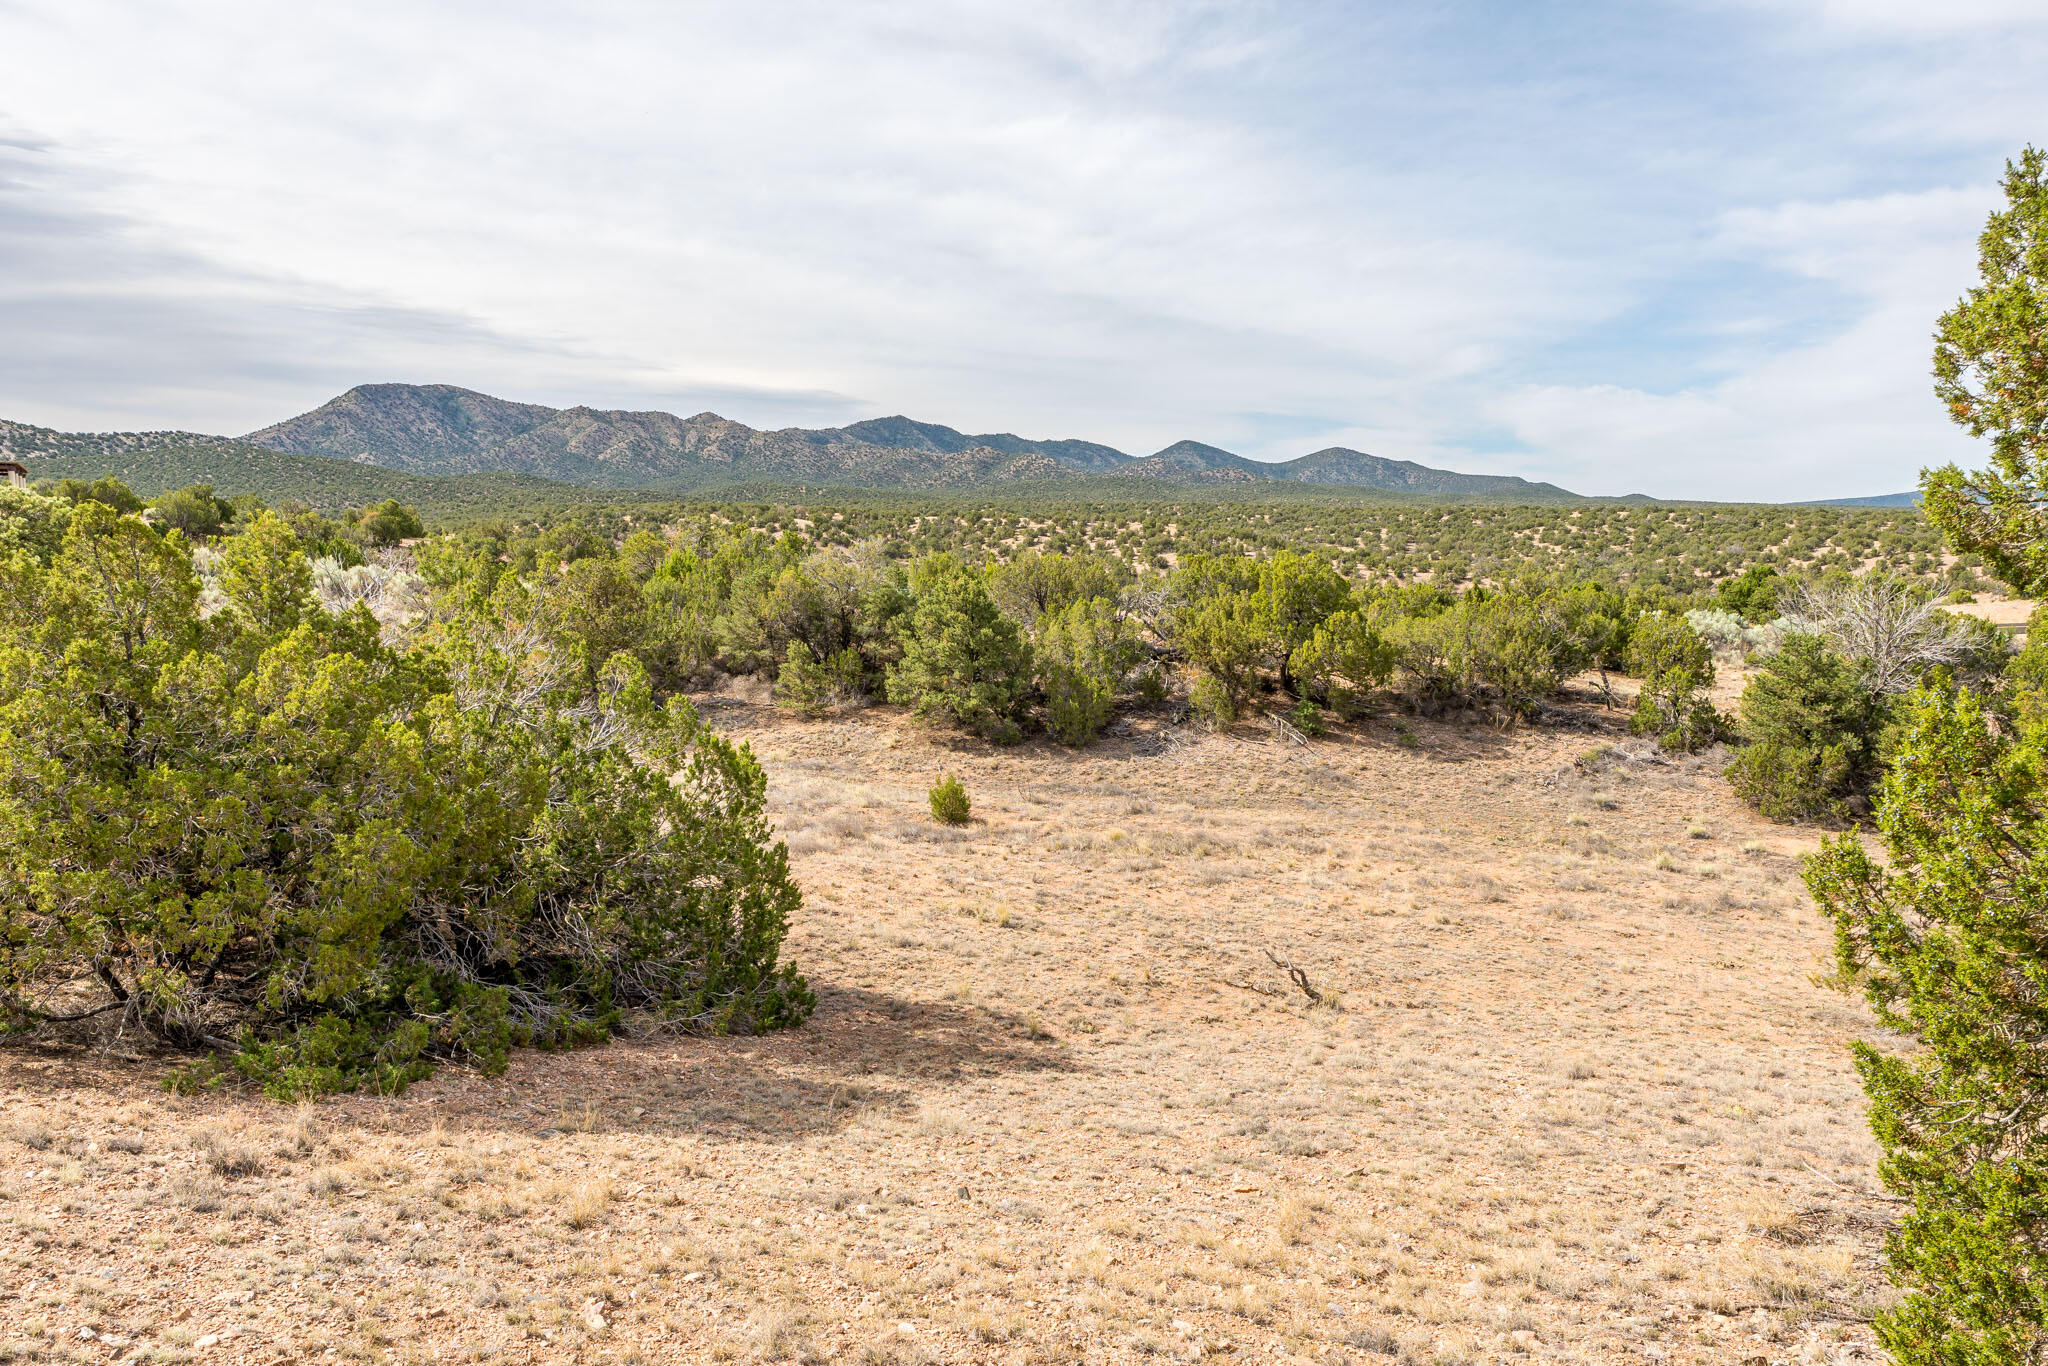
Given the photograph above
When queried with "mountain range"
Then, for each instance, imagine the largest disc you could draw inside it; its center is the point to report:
(439, 429)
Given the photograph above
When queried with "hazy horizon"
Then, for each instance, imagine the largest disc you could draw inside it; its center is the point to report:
(1691, 249)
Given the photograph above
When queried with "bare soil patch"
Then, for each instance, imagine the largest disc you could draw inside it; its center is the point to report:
(1572, 1095)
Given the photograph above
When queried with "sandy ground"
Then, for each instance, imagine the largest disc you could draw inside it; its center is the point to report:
(2001, 612)
(1570, 1094)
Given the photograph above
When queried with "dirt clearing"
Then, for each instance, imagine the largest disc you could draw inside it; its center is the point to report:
(1570, 1094)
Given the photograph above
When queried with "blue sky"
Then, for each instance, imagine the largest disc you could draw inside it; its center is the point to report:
(1693, 249)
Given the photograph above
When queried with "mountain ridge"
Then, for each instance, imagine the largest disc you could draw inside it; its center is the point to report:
(444, 429)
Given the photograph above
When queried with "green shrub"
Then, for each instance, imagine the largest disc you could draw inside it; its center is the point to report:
(812, 686)
(32, 524)
(1085, 653)
(196, 511)
(1752, 594)
(1212, 701)
(1238, 618)
(1509, 650)
(1945, 935)
(1035, 585)
(949, 802)
(1342, 662)
(962, 658)
(389, 522)
(105, 489)
(2027, 674)
(1297, 593)
(1813, 726)
(1222, 636)
(1677, 671)
(270, 827)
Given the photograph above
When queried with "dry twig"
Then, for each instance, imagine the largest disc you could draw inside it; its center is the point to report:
(1299, 978)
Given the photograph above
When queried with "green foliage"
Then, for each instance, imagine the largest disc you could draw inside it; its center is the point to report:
(1344, 659)
(2027, 674)
(1212, 701)
(269, 825)
(1813, 724)
(1752, 594)
(642, 555)
(1988, 374)
(105, 489)
(1509, 649)
(319, 537)
(963, 660)
(1380, 541)
(265, 576)
(1223, 635)
(196, 511)
(1677, 672)
(1947, 936)
(387, 523)
(1307, 718)
(1086, 653)
(598, 612)
(1033, 585)
(1296, 594)
(948, 799)
(32, 524)
(1241, 618)
(812, 686)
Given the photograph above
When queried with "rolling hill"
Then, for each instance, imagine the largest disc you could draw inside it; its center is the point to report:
(1909, 499)
(156, 462)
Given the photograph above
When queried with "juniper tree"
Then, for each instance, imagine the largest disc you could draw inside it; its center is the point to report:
(962, 658)
(1949, 933)
(268, 833)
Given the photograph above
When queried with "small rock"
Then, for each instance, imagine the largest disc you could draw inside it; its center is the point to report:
(1181, 1326)
(907, 1329)
(86, 1334)
(209, 1340)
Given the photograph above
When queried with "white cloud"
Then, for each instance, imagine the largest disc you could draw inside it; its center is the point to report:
(1916, 18)
(1846, 413)
(1268, 227)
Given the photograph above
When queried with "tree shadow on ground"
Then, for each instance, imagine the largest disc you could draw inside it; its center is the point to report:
(863, 1052)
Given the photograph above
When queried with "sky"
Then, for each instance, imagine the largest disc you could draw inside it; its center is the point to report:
(1694, 249)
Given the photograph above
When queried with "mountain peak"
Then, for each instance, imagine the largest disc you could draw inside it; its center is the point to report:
(427, 427)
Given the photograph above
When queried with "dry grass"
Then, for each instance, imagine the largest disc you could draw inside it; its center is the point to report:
(1579, 1100)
